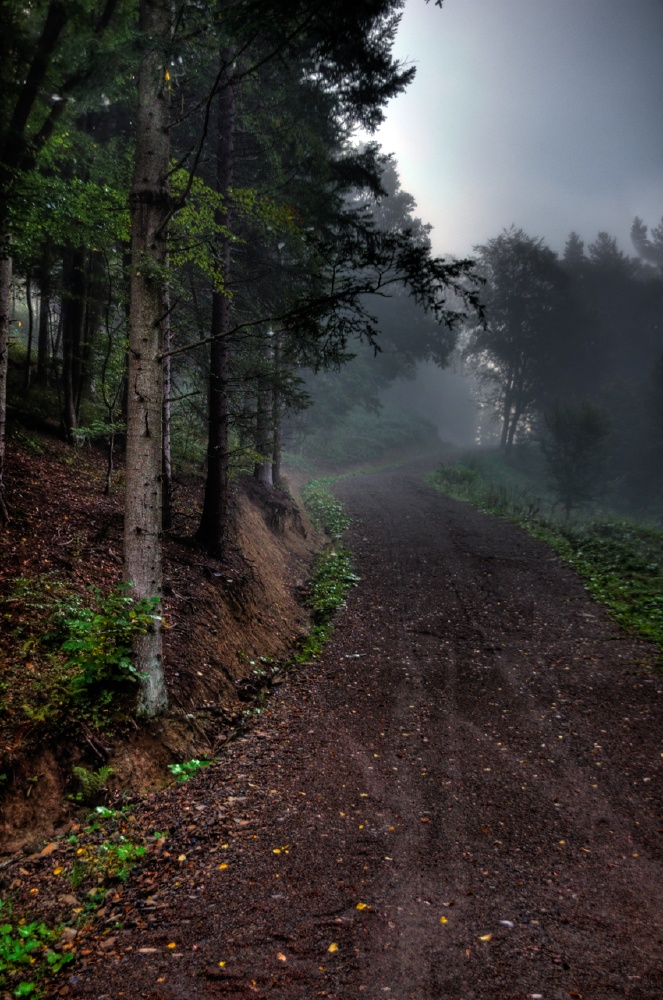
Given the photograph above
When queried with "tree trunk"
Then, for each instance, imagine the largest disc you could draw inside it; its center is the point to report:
(148, 312)
(73, 319)
(264, 444)
(211, 531)
(5, 321)
(167, 457)
(31, 332)
(44, 310)
(276, 412)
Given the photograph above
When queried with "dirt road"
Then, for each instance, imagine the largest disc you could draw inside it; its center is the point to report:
(461, 800)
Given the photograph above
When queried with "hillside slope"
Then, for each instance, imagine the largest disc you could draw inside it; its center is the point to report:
(225, 621)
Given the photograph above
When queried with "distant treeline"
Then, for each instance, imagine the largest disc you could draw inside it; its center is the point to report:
(572, 349)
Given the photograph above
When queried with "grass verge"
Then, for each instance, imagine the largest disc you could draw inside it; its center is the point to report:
(620, 561)
(333, 575)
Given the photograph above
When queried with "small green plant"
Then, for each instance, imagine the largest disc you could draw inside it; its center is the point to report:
(115, 860)
(333, 577)
(100, 637)
(188, 769)
(325, 511)
(90, 783)
(26, 955)
(109, 861)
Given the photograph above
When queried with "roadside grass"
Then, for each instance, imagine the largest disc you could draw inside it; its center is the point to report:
(620, 561)
(333, 575)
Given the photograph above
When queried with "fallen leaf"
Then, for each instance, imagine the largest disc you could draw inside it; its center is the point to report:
(362, 906)
(332, 947)
(182, 857)
(281, 957)
(58, 871)
(48, 850)
(486, 937)
(171, 945)
(221, 964)
(444, 920)
(224, 865)
(141, 951)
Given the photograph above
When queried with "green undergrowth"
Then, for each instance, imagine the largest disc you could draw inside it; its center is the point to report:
(69, 657)
(93, 862)
(333, 575)
(28, 953)
(324, 510)
(620, 561)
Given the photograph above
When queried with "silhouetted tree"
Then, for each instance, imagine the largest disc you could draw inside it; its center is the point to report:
(523, 301)
(574, 449)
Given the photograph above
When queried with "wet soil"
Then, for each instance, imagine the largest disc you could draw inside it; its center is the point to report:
(461, 799)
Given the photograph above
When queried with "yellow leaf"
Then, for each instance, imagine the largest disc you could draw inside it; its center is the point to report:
(332, 947)
(172, 945)
(443, 920)
(58, 871)
(281, 957)
(182, 857)
(486, 937)
(363, 906)
(224, 865)
(167, 75)
(222, 964)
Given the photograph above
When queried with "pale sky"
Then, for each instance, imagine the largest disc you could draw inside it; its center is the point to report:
(543, 113)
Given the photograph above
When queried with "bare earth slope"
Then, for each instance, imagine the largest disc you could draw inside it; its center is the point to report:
(477, 758)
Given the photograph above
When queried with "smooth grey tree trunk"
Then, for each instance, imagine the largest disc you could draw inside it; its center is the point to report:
(150, 202)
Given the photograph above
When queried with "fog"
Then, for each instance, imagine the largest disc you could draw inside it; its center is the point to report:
(541, 113)
(446, 397)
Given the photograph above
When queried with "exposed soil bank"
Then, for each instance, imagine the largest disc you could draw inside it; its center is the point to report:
(477, 758)
(222, 617)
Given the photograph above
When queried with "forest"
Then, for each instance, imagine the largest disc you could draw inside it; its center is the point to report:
(216, 297)
(189, 226)
(206, 261)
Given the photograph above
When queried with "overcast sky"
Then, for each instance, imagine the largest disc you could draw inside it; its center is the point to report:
(543, 113)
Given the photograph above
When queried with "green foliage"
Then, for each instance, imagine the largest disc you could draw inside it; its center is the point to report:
(508, 495)
(25, 947)
(100, 637)
(115, 860)
(574, 449)
(91, 782)
(188, 769)
(78, 655)
(110, 861)
(620, 561)
(361, 436)
(622, 565)
(333, 577)
(325, 511)
(97, 430)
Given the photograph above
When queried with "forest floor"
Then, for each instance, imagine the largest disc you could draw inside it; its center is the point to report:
(460, 799)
